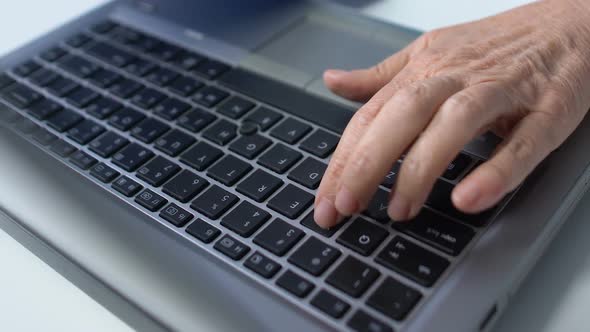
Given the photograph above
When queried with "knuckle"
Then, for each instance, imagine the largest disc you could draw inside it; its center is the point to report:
(413, 170)
(362, 161)
(409, 96)
(462, 107)
(501, 174)
(523, 149)
(364, 116)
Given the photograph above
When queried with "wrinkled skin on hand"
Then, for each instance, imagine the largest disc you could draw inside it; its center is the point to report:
(524, 74)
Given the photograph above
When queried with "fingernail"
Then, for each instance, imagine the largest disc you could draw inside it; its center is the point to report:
(399, 209)
(334, 74)
(346, 202)
(325, 215)
(466, 196)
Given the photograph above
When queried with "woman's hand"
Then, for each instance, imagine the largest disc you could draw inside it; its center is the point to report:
(524, 74)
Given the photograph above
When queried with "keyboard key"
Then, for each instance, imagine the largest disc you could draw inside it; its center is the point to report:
(221, 132)
(109, 143)
(394, 299)
(43, 77)
(279, 158)
(211, 69)
(185, 186)
(457, 166)
(85, 132)
(78, 66)
(21, 96)
(264, 117)
(262, 265)
(125, 35)
(103, 27)
(412, 261)
(378, 205)
(81, 97)
(187, 60)
(61, 86)
(310, 223)
(125, 119)
(362, 322)
(110, 54)
(44, 109)
(174, 142)
(147, 98)
(52, 54)
(132, 157)
(103, 107)
(438, 231)
(229, 170)
(144, 43)
(164, 51)
(235, 107)
(157, 171)
(314, 256)
(245, 219)
(125, 88)
(290, 131)
(5, 80)
(295, 284)
(440, 200)
(214, 202)
(389, 179)
(291, 201)
(320, 143)
(171, 108)
(126, 186)
(362, 236)
(150, 200)
(27, 68)
(149, 129)
(78, 40)
(104, 78)
(162, 76)
(104, 173)
(185, 86)
(63, 148)
(82, 160)
(231, 247)
(64, 120)
(259, 185)
(201, 156)
(250, 146)
(330, 304)
(203, 231)
(209, 96)
(353, 277)
(176, 215)
(279, 237)
(44, 137)
(140, 67)
(309, 173)
(196, 120)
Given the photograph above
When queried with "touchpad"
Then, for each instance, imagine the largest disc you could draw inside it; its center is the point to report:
(317, 42)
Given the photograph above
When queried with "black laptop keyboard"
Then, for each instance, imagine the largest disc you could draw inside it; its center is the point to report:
(232, 159)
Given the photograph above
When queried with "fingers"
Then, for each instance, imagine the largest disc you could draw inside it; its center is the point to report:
(530, 142)
(360, 85)
(459, 120)
(325, 214)
(396, 126)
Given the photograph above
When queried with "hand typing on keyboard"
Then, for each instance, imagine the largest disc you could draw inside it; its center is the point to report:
(524, 74)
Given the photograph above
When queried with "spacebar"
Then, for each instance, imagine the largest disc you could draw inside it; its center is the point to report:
(290, 99)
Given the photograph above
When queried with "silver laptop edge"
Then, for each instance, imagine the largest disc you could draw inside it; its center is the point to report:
(155, 281)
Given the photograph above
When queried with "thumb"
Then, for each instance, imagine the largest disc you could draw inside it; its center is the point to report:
(361, 84)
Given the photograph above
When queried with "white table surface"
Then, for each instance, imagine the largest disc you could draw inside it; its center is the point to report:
(555, 297)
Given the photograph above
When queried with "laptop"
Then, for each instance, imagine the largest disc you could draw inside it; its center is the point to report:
(164, 155)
